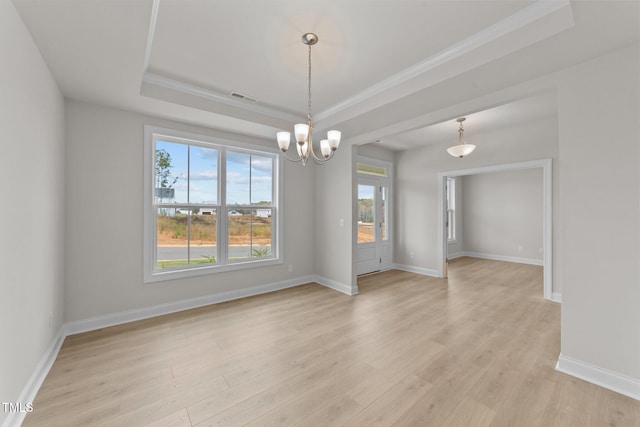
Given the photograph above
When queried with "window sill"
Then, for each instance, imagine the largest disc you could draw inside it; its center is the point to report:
(168, 274)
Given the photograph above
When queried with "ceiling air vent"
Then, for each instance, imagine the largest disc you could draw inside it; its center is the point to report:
(242, 97)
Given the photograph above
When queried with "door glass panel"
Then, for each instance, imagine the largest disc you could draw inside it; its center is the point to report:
(383, 213)
(366, 216)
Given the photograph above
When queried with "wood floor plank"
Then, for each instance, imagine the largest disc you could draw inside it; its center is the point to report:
(470, 413)
(479, 348)
(177, 419)
(392, 404)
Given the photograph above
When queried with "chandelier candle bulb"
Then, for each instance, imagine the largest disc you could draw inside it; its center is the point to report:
(325, 148)
(334, 139)
(283, 140)
(302, 149)
(302, 132)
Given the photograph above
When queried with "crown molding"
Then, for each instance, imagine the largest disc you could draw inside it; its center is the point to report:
(190, 89)
(501, 29)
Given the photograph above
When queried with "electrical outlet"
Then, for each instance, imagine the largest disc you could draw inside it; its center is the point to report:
(290, 268)
(50, 319)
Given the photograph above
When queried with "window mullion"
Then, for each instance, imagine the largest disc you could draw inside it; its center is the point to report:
(189, 209)
(222, 223)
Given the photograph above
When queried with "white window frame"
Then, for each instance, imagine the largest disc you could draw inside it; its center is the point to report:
(451, 209)
(151, 273)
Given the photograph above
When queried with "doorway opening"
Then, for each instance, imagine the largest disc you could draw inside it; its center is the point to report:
(547, 216)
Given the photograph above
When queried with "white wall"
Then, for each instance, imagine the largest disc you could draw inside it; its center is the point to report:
(502, 215)
(417, 171)
(105, 219)
(376, 152)
(32, 212)
(600, 217)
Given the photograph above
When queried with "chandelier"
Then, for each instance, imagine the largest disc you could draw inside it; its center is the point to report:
(303, 132)
(462, 149)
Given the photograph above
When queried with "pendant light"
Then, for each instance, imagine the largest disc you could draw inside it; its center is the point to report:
(462, 148)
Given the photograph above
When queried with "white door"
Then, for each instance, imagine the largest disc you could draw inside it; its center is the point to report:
(374, 244)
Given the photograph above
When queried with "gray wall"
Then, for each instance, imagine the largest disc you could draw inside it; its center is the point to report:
(105, 219)
(335, 212)
(32, 212)
(502, 215)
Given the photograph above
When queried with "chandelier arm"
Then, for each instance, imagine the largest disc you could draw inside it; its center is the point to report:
(299, 159)
(320, 159)
(323, 160)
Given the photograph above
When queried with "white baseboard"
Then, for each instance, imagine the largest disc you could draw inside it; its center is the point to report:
(37, 378)
(599, 376)
(336, 286)
(493, 257)
(105, 321)
(455, 255)
(556, 297)
(417, 270)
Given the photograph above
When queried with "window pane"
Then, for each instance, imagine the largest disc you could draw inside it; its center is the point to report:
(367, 169)
(451, 193)
(171, 238)
(171, 163)
(238, 178)
(261, 233)
(451, 203)
(366, 231)
(261, 180)
(203, 175)
(203, 249)
(239, 234)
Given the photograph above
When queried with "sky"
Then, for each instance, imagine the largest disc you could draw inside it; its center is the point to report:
(365, 191)
(249, 176)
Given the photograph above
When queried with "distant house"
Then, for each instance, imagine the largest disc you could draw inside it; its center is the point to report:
(263, 213)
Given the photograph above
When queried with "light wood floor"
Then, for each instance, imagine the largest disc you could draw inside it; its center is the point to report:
(408, 350)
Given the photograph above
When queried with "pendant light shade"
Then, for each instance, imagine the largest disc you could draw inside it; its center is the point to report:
(462, 148)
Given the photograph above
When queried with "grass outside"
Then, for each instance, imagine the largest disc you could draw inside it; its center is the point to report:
(243, 229)
(182, 262)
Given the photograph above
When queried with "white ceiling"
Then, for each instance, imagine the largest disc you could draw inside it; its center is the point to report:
(397, 71)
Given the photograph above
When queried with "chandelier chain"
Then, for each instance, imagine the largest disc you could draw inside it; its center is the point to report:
(309, 91)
